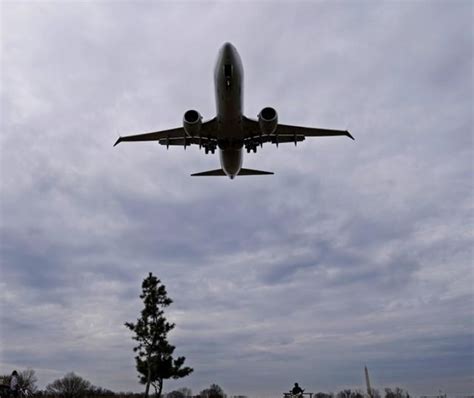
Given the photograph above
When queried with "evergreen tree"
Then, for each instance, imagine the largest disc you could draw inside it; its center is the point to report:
(154, 359)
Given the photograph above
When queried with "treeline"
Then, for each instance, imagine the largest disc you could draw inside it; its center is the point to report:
(388, 393)
(74, 386)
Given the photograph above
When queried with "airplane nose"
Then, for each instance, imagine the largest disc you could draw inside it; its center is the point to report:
(227, 46)
(228, 50)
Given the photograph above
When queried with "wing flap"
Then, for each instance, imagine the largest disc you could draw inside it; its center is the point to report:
(280, 139)
(184, 141)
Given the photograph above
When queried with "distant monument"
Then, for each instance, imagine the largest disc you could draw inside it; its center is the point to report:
(367, 382)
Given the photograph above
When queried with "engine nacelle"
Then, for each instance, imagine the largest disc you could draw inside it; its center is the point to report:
(268, 120)
(192, 122)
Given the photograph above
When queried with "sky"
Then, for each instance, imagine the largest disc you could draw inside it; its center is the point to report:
(354, 253)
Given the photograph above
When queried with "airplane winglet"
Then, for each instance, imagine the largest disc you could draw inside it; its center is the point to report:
(118, 141)
(349, 135)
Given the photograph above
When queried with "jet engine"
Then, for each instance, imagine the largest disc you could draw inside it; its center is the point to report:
(192, 122)
(268, 120)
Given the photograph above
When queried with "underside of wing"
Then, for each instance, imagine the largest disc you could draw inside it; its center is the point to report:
(287, 130)
(210, 173)
(276, 139)
(285, 133)
(154, 136)
(251, 172)
(176, 136)
(185, 141)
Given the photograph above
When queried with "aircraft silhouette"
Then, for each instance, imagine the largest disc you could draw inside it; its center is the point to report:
(230, 130)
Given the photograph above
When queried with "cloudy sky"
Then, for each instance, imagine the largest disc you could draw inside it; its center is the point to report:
(354, 253)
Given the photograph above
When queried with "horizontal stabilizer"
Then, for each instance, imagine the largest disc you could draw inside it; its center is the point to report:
(250, 172)
(217, 172)
(220, 172)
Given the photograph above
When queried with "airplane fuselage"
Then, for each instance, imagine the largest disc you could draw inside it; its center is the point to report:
(228, 81)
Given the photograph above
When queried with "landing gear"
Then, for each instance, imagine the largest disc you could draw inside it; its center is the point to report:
(251, 147)
(211, 147)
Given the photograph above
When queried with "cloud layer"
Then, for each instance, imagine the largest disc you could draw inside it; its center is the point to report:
(354, 253)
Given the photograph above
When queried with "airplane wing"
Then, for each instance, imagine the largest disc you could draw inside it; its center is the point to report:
(286, 130)
(176, 136)
(286, 133)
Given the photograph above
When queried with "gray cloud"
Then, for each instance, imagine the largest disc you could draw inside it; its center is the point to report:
(354, 253)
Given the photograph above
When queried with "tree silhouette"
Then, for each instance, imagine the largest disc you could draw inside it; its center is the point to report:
(396, 393)
(344, 394)
(175, 394)
(214, 391)
(27, 380)
(350, 394)
(70, 386)
(323, 395)
(155, 361)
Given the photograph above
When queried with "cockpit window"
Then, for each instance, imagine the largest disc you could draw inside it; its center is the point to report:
(227, 71)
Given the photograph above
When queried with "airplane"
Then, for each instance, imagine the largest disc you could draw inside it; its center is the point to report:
(230, 130)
